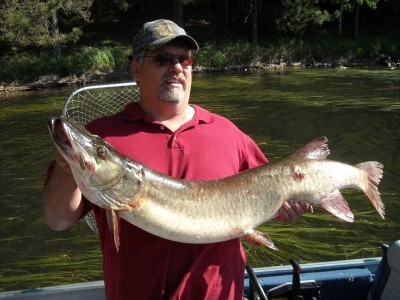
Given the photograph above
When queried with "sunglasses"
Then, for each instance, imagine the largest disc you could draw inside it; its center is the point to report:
(166, 59)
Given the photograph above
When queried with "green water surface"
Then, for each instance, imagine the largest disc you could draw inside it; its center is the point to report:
(358, 110)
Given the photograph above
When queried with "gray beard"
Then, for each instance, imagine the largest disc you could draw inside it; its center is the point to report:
(171, 95)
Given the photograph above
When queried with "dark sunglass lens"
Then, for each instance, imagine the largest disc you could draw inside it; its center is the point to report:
(186, 60)
(168, 59)
(163, 59)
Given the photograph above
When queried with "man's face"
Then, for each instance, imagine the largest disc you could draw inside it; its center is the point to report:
(164, 76)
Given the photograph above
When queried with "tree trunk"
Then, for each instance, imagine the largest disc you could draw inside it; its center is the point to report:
(357, 12)
(141, 5)
(254, 22)
(226, 14)
(178, 12)
(55, 31)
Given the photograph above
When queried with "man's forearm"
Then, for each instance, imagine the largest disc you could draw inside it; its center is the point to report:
(61, 199)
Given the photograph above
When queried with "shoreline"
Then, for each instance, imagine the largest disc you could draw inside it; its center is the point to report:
(55, 81)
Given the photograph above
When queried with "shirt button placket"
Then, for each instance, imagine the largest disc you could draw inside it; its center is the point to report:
(173, 141)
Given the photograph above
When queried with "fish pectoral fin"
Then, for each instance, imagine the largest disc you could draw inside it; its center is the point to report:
(120, 208)
(113, 221)
(259, 238)
(337, 206)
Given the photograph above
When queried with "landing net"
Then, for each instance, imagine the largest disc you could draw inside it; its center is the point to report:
(92, 102)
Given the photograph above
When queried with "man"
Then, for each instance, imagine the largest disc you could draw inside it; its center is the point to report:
(167, 134)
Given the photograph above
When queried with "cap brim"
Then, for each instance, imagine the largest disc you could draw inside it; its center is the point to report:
(188, 40)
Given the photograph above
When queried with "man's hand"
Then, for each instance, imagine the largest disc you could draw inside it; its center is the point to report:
(292, 210)
(60, 160)
(61, 198)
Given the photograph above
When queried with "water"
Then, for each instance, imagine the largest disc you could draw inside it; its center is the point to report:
(358, 110)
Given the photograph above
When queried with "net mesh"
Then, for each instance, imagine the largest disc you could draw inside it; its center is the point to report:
(89, 103)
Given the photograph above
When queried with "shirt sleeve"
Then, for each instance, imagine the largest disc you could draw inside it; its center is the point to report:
(254, 157)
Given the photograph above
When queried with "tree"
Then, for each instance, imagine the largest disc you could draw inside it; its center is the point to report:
(253, 16)
(226, 14)
(297, 15)
(371, 3)
(353, 5)
(35, 22)
(254, 22)
(178, 12)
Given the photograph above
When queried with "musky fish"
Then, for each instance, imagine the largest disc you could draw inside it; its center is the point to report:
(209, 211)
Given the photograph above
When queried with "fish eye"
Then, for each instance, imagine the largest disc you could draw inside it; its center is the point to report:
(102, 151)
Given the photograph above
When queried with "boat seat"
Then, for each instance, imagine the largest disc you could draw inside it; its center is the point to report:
(386, 282)
(355, 281)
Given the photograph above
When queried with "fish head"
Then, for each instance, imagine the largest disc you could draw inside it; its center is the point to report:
(94, 163)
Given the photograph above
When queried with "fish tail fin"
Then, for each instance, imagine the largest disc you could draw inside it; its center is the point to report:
(374, 170)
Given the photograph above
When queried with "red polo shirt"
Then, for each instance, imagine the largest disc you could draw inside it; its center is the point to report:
(148, 267)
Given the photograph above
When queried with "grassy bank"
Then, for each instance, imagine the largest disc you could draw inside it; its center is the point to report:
(28, 67)
(81, 64)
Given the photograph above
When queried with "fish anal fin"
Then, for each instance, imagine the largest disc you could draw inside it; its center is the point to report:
(337, 206)
(316, 149)
(113, 220)
(259, 238)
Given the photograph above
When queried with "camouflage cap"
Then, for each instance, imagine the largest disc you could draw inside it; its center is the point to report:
(159, 32)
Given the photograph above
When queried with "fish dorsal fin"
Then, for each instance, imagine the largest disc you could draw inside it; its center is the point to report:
(316, 149)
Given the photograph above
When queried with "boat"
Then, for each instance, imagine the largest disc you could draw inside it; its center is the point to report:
(376, 278)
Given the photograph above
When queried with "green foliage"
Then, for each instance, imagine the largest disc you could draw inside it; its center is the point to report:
(24, 68)
(362, 49)
(211, 56)
(23, 24)
(27, 68)
(35, 22)
(370, 3)
(297, 15)
(286, 50)
(228, 54)
(244, 54)
(88, 59)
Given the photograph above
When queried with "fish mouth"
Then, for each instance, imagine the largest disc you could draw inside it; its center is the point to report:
(58, 132)
(63, 132)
